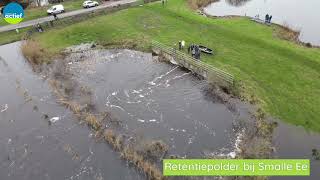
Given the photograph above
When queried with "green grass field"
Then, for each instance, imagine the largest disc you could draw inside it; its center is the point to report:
(12, 36)
(37, 12)
(280, 76)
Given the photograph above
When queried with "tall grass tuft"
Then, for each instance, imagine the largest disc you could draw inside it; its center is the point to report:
(288, 33)
(93, 121)
(34, 53)
(129, 152)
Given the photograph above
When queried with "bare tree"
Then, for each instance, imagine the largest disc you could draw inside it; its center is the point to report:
(24, 3)
(37, 2)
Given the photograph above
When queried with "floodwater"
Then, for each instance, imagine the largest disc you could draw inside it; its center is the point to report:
(156, 100)
(30, 147)
(297, 14)
(151, 100)
(293, 142)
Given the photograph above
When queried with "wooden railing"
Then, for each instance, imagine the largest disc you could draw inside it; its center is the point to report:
(211, 73)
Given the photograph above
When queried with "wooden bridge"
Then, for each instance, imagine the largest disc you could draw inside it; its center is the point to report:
(212, 74)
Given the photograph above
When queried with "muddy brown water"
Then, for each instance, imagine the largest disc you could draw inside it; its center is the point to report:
(297, 14)
(149, 99)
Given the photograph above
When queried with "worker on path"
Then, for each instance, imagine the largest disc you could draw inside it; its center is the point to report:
(55, 16)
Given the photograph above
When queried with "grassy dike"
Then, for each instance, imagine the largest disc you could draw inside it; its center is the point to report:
(12, 36)
(281, 77)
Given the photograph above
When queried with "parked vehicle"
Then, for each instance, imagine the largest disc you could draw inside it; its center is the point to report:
(89, 4)
(56, 9)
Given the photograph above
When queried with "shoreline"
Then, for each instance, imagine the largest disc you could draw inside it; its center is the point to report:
(258, 113)
(288, 31)
(245, 145)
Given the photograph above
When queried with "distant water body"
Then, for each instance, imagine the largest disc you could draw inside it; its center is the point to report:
(297, 14)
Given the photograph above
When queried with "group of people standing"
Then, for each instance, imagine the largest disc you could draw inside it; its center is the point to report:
(268, 18)
(39, 28)
(195, 51)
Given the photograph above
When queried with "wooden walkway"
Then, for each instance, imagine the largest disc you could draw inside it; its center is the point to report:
(211, 73)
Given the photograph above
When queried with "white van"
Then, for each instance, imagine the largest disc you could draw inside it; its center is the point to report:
(56, 9)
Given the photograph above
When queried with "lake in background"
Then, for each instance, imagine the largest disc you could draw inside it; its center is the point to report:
(297, 14)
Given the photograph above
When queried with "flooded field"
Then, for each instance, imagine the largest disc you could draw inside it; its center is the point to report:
(145, 99)
(155, 100)
(297, 14)
(293, 142)
(40, 139)
(32, 147)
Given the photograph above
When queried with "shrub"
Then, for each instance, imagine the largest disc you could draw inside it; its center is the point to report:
(34, 53)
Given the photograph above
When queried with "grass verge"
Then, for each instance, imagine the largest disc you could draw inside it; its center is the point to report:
(12, 36)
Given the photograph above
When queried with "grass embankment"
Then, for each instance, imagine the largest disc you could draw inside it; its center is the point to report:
(281, 76)
(37, 12)
(12, 36)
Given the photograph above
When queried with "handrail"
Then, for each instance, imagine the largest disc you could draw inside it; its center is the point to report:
(180, 56)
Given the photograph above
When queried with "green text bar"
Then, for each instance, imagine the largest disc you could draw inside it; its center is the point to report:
(236, 167)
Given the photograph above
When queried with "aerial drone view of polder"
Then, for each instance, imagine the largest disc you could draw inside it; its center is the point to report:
(167, 89)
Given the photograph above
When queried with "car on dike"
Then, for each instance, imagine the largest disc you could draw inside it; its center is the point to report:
(89, 4)
(56, 9)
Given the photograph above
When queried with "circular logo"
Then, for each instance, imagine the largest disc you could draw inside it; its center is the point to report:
(13, 13)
